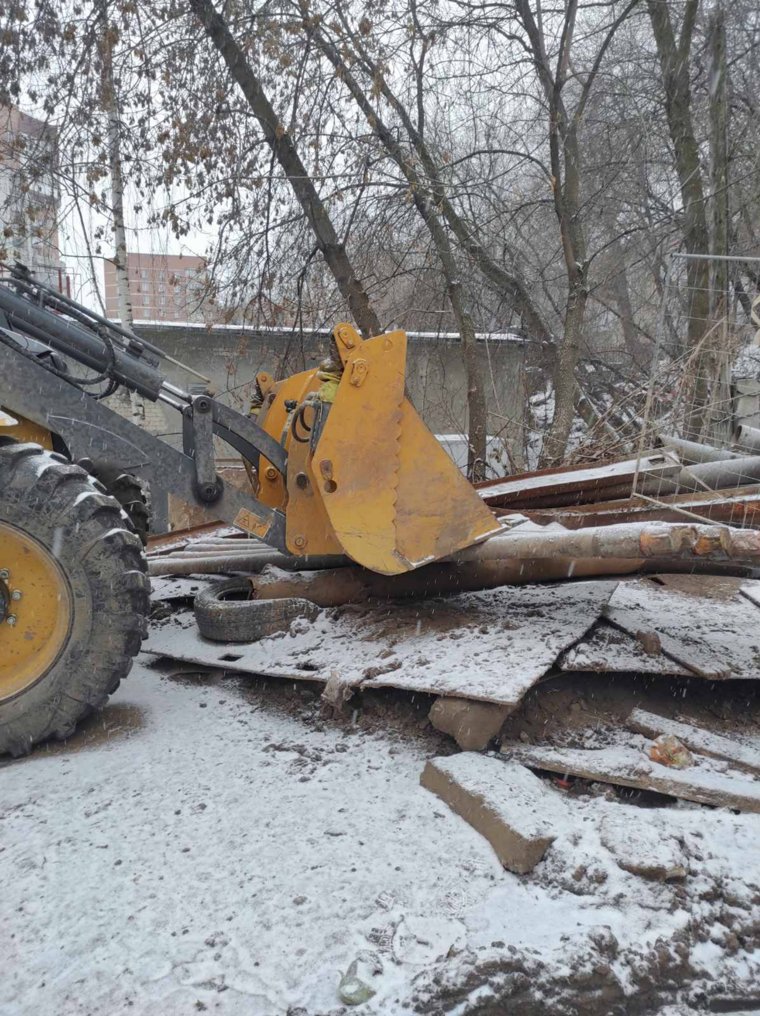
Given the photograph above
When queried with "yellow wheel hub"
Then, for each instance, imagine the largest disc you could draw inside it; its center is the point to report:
(37, 610)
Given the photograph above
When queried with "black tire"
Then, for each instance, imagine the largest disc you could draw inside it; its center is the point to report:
(226, 613)
(59, 505)
(130, 492)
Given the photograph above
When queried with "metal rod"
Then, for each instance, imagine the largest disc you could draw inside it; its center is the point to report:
(221, 564)
(712, 257)
(184, 366)
(174, 390)
(681, 511)
(169, 401)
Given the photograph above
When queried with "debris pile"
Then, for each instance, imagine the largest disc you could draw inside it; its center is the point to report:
(684, 479)
(589, 584)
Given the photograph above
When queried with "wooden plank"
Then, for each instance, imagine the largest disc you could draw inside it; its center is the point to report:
(706, 742)
(706, 782)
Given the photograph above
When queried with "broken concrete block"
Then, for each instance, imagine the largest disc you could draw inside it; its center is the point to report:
(516, 812)
(643, 846)
(471, 724)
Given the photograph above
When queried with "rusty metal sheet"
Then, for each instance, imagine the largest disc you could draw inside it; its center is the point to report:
(165, 543)
(702, 622)
(740, 507)
(573, 484)
(606, 649)
(492, 646)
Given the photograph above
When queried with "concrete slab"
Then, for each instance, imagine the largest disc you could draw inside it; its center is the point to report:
(471, 724)
(606, 649)
(517, 813)
(643, 845)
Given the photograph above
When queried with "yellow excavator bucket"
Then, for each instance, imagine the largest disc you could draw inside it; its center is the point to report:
(374, 483)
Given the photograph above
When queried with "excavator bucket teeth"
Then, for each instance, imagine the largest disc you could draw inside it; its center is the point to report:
(393, 496)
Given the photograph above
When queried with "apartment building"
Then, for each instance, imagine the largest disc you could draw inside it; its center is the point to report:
(30, 197)
(162, 287)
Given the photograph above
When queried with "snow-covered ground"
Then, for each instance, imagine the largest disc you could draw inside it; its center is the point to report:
(202, 848)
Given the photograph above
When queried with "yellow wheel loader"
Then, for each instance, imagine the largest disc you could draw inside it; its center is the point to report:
(341, 467)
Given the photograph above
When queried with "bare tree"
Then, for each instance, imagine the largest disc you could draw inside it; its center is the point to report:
(426, 206)
(284, 151)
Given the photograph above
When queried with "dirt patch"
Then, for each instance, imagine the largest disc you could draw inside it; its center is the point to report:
(588, 710)
(402, 714)
(116, 722)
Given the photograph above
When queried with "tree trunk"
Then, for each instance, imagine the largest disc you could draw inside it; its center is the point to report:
(507, 284)
(111, 108)
(476, 405)
(622, 296)
(564, 377)
(477, 414)
(719, 160)
(285, 152)
(721, 355)
(674, 66)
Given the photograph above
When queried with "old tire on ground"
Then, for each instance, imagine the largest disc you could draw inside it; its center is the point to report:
(225, 612)
(131, 494)
(74, 596)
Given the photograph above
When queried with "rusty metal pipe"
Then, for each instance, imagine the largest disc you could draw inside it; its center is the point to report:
(544, 556)
(269, 554)
(237, 543)
(221, 564)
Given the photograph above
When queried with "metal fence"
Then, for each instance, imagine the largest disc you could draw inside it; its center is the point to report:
(702, 403)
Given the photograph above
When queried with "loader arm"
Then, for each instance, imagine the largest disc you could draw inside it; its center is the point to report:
(342, 464)
(91, 430)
